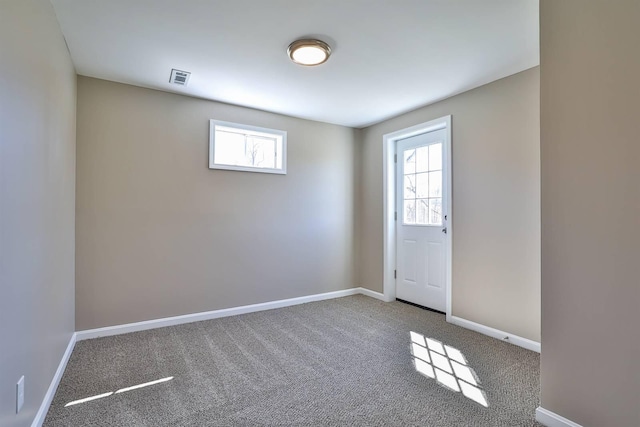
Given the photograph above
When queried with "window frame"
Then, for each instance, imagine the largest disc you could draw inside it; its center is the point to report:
(243, 127)
(416, 199)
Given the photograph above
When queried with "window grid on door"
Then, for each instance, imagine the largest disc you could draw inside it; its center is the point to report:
(422, 187)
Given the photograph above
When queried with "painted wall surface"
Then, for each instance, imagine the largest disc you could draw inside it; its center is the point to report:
(590, 109)
(37, 192)
(160, 234)
(496, 202)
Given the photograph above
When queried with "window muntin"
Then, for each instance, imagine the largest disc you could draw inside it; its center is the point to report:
(239, 147)
(422, 189)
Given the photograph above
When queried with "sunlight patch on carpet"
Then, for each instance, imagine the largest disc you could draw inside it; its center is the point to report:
(122, 390)
(447, 365)
(89, 399)
(134, 387)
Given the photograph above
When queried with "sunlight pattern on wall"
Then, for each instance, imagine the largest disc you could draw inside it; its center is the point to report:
(447, 365)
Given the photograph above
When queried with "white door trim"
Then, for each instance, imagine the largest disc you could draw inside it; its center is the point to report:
(389, 199)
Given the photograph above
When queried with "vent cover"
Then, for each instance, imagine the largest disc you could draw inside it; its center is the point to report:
(179, 77)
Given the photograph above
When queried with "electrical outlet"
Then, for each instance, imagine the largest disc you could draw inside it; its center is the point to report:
(20, 394)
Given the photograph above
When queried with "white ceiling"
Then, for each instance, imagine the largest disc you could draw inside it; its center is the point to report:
(389, 56)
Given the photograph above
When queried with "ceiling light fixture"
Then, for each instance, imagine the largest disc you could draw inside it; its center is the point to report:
(309, 52)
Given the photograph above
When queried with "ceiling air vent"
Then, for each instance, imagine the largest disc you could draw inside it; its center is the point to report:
(179, 77)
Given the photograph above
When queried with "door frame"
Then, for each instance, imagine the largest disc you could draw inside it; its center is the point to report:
(389, 142)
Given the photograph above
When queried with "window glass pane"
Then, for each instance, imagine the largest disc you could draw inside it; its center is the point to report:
(410, 161)
(435, 184)
(422, 185)
(435, 156)
(422, 159)
(435, 211)
(241, 149)
(422, 214)
(247, 148)
(409, 211)
(229, 148)
(409, 186)
(260, 152)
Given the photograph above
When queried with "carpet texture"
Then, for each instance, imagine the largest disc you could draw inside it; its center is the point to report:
(347, 361)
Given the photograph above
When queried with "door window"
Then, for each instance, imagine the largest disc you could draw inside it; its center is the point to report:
(422, 189)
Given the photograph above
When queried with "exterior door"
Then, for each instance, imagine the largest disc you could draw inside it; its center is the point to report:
(421, 221)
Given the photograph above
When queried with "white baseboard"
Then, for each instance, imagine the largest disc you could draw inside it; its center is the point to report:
(373, 294)
(551, 419)
(495, 333)
(215, 314)
(48, 397)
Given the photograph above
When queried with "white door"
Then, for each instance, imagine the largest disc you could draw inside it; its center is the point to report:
(421, 222)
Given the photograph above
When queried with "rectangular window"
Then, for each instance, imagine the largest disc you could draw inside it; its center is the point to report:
(422, 191)
(238, 147)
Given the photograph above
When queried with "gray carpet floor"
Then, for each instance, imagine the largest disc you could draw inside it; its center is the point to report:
(347, 361)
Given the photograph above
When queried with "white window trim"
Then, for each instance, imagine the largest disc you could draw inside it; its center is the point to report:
(212, 136)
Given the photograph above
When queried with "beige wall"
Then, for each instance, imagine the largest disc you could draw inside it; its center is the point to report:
(159, 234)
(37, 186)
(496, 202)
(590, 117)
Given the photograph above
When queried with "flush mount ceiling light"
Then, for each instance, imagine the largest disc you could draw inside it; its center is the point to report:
(309, 52)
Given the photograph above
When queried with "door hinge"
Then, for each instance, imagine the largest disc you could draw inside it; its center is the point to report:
(395, 158)
(395, 274)
(395, 216)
